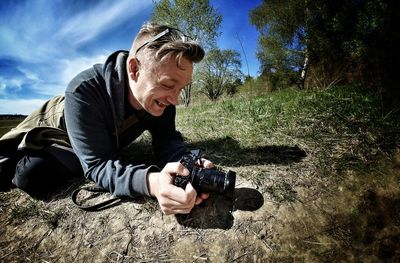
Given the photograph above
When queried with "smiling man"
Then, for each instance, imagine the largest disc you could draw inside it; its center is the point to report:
(104, 109)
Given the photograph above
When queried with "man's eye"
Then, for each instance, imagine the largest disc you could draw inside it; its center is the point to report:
(167, 87)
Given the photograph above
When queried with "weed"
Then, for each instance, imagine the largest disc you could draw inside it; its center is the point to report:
(282, 192)
(20, 212)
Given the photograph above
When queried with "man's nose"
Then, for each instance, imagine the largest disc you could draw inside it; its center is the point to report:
(173, 98)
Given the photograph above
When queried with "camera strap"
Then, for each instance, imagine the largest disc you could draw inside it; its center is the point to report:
(98, 206)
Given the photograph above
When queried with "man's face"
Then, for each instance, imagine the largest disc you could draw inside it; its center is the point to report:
(159, 84)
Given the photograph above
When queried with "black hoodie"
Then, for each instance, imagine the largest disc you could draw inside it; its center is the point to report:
(100, 122)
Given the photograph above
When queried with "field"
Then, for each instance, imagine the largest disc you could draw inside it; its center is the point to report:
(9, 122)
(318, 181)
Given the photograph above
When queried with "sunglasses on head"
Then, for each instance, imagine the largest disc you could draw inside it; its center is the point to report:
(184, 37)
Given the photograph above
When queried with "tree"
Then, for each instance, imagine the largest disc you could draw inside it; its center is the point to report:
(282, 44)
(220, 72)
(304, 41)
(360, 39)
(232, 87)
(198, 19)
(325, 42)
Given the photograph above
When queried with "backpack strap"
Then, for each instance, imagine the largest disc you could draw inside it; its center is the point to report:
(96, 207)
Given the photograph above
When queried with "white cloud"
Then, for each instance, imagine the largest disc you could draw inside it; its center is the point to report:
(48, 89)
(39, 85)
(33, 32)
(44, 41)
(89, 24)
(29, 74)
(14, 84)
(19, 106)
(47, 82)
(25, 29)
(66, 70)
(71, 67)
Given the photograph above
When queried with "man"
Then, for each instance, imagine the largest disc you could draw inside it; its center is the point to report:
(104, 109)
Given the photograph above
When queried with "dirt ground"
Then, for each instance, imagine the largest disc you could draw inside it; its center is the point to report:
(292, 211)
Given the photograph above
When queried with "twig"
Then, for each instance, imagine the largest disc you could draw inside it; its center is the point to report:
(200, 257)
(268, 246)
(158, 260)
(101, 252)
(316, 243)
(239, 257)
(6, 255)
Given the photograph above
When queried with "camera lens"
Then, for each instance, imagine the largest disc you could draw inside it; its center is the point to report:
(230, 181)
(210, 180)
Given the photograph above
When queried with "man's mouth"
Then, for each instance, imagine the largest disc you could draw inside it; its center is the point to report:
(160, 104)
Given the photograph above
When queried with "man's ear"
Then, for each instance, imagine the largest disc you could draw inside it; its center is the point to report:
(133, 68)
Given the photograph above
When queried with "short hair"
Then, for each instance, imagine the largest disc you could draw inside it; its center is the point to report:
(167, 45)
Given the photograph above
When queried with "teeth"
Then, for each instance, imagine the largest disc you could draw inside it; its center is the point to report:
(160, 104)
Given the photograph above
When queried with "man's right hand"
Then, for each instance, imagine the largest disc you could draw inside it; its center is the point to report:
(172, 199)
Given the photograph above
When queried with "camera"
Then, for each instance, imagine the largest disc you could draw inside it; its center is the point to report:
(205, 180)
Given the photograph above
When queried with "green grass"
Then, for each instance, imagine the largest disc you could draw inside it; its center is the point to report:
(345, 125)
(6, 125)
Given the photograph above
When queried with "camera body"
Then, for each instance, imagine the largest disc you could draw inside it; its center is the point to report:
(205, 180)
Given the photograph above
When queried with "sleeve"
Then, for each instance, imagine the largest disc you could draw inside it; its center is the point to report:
(91, 132)
(168, 143)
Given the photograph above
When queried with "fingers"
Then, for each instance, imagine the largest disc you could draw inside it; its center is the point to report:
(204, 195)
(200, 198)
(206, 163)
(178, 201)
(170, 208)
(173, 199)
(178, 195)
(175, 168)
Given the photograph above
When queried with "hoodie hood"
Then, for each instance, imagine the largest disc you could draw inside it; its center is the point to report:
(116, 79)
(115, 76)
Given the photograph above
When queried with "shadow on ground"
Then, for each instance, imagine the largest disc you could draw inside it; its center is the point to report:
(216, 212)
(375, 224)
(369, 233)
(226, 151)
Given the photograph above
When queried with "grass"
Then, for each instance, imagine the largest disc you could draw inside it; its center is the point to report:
(345, 123)
(26, 210)
(320, 160)
(344, 126)
(6, 125)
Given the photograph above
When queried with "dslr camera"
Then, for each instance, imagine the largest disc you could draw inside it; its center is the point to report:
(205, 180)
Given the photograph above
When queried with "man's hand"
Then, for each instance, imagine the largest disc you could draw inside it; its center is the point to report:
(172, 199)
(206, 164)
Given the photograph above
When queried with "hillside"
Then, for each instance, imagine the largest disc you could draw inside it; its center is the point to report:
(9, 121)
(12, 117)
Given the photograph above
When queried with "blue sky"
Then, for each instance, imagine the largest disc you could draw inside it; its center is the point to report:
(45, 43)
